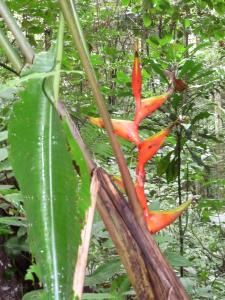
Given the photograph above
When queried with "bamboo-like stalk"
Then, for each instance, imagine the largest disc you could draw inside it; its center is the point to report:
(10, 52)
(72, 19)
(25, 47)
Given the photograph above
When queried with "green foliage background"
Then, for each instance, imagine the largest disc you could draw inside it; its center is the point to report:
(185, 36)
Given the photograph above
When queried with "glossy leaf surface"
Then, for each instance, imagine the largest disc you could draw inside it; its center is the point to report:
(44, 170)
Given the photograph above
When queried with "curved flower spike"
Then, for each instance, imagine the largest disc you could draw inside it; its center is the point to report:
(149, 105)
(148, 148)
(136, 81)
(123, 128)
(157, 220)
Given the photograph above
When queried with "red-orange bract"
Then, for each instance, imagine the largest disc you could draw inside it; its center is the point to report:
(136, 80)
(123, 128)
(157, 220)
(149, 147)
(149, 105)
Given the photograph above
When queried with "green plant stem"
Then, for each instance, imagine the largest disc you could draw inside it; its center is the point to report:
(10, 52)
(25, 47)
(59, 54)
(72, 19)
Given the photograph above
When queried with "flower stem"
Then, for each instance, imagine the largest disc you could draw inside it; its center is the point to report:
(72, 19)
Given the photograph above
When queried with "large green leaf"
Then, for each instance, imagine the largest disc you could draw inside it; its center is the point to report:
(44, 170)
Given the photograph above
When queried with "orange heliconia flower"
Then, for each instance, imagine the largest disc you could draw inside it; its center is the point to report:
(123, 128)
(149, 147)
(136, 80)
(157, 220)
(149, 105)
